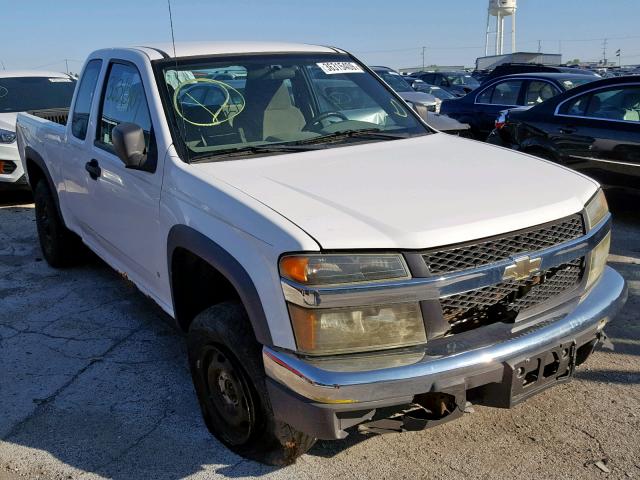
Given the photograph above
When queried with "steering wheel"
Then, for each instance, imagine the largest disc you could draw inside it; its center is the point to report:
(323, 116)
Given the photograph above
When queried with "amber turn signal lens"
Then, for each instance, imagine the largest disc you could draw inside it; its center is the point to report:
(294, 268)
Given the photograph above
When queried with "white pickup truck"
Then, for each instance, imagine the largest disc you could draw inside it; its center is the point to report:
(327, 253)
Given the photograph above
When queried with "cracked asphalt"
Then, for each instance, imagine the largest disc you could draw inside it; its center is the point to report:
(94, 384)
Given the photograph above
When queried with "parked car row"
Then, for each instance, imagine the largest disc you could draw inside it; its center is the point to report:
(422, 98)
(594, 128)
(481, 107)
(457, 83)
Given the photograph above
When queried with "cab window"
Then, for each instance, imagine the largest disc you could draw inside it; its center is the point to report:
(123, 101)
(84, 99)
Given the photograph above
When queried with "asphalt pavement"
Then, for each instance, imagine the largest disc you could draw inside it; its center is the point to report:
(94, 384)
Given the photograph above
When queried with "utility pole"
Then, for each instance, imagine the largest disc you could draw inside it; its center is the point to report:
(604, 52)
(66, 63)
(2, 63)
(539, 46)
(423, 49)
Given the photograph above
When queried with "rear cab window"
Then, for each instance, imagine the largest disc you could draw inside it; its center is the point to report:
(84, 99)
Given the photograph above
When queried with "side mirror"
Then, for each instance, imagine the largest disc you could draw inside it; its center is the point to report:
(129, 145)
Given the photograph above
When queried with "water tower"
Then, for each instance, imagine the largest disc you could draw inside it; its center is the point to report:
(501, 9)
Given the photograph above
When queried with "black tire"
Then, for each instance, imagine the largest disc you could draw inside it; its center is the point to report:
(228, 375)
(60, 246)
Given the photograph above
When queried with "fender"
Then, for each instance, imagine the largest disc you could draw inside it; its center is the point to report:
(31, 155)
(182, 236)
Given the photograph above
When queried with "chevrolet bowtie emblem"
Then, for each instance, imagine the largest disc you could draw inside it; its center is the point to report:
(523, 268)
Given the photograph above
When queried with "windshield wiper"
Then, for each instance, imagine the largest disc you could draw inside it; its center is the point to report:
(364, 133)
(254, 149)
(299, 145)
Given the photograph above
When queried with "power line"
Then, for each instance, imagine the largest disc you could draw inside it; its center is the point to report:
(526, 42)
(58, 62)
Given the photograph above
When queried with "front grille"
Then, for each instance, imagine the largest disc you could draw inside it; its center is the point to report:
(493, 250)
(7, 167)
(503, 301)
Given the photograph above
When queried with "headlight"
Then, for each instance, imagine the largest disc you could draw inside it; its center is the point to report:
(596, 209)
(598, 260)
(7, 136)
(336, 269)
(332, 331)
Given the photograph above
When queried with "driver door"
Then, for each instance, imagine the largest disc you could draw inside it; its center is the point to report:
(124, 203)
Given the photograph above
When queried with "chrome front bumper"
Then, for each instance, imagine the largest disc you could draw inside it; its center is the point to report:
(359, 381)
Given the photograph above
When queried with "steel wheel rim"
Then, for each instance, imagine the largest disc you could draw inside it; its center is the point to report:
(227, 396)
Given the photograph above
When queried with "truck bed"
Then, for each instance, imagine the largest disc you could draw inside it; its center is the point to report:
(56, 115)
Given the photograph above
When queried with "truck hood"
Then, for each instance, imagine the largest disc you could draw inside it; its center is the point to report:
(8, 121)
(421, 192)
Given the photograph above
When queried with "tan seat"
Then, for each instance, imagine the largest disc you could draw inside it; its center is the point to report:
(631, 105)
(281, 117)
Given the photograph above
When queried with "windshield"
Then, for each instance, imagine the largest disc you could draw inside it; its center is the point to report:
(462, 79)
(222, 104)
(19, 94)
(395, 80)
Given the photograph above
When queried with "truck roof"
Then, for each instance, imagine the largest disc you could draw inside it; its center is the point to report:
(32, 73)
(193, 49)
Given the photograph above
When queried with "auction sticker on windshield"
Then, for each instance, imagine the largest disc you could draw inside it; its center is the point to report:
(331, 68)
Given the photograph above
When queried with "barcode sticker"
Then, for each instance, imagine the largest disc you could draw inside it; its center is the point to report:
(331, 68)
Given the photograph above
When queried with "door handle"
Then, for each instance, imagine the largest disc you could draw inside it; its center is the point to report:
(567, 129)
(93, 168)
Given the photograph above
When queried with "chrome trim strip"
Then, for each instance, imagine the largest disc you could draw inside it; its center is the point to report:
(602, 160)
(351, 382)
(432, 288)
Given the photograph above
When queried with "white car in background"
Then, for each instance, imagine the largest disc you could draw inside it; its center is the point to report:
(22, 90)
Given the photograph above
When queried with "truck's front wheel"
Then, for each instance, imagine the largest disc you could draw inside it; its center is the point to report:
(226, 366)
(60, 246)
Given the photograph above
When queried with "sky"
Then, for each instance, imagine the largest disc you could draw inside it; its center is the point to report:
(42, 33)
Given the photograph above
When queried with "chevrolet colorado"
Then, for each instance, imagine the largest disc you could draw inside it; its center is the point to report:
(331, 258)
